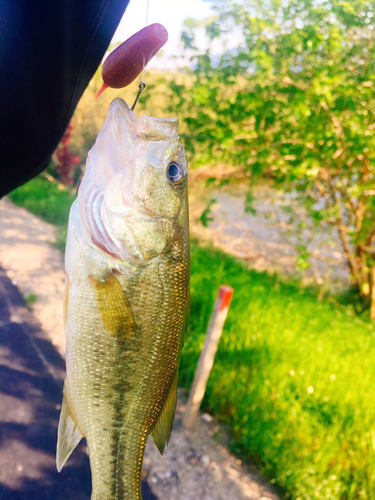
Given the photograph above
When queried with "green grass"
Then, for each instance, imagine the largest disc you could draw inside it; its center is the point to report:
(31, 298)
(293, 378)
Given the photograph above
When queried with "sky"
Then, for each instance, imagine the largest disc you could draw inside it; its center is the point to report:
(169, 13)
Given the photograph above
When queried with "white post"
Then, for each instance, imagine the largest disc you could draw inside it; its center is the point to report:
(206, 360)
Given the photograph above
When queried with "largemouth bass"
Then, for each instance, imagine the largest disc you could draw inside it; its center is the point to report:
(126, 299)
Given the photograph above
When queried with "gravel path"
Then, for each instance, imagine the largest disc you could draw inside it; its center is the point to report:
(195, 466)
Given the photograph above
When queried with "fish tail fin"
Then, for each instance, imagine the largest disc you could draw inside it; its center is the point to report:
(68, 435)
(163, 428)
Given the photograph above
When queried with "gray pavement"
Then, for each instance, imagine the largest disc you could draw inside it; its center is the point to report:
(31, 381)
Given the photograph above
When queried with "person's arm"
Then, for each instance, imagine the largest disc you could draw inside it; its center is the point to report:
(49, 51)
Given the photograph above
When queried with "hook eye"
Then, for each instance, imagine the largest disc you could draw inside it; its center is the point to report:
(142, 86)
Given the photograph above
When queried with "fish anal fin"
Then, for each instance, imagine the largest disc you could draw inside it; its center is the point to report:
(114, 306)
(163, 428)
(68, 435)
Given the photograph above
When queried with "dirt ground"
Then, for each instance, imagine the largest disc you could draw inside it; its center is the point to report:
(34, 265)
(196, 465)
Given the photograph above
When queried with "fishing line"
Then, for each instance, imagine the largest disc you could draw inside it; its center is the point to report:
(142, 85)
(147, 7)
(146, 24)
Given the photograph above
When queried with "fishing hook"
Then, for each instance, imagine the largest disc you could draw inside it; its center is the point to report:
(142, 86)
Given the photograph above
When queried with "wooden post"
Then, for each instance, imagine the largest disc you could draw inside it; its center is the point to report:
(207, 356)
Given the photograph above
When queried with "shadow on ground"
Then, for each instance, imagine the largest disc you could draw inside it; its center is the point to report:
(31, 381)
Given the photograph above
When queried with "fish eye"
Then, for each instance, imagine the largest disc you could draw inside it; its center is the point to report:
(176, 173)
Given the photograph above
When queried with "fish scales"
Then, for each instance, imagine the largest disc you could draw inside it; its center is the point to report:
(127, 299)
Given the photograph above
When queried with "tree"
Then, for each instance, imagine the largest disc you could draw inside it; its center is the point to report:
(294, 99)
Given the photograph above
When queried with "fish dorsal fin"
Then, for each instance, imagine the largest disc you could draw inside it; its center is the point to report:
(163, 428)
(115, 310)
(68, 435)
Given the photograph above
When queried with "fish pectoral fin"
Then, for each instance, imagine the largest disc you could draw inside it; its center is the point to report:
(163, 428)
(68, 435)
(115, 310)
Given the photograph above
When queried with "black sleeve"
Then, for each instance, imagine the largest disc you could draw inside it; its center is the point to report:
(49, 51)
